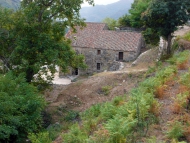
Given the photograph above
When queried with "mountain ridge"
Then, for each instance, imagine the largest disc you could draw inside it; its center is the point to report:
(99, 12)
(12, 4)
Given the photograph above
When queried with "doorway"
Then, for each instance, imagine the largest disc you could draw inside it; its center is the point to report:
(120, 56)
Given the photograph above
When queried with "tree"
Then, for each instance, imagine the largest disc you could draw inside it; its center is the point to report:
(21, 107)
(124, 21)
(137, 8)
(112, 23)
(164, 16)
(7, 37)
(38, 30)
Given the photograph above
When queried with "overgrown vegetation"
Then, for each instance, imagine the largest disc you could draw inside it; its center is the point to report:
(127, 118)
(32, 43)
(187, 36)
(20, 108)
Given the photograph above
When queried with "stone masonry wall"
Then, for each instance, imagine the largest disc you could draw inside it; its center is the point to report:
(108, 59)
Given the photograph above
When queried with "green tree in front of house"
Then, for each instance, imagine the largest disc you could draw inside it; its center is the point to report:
(20, 109)
(163, 16)
(34, 36)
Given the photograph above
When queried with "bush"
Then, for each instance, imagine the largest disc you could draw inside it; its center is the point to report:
(176, 130)
(71, 115)
(187, 36)
(21, 106)
(106, 89)
(54, 131)
(75, 135)
(42, 137)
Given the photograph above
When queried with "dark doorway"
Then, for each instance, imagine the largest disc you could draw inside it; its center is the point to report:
(120, 56)
(98, 66)
(75, 71)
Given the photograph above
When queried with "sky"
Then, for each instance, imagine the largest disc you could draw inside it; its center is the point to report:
(101, 2)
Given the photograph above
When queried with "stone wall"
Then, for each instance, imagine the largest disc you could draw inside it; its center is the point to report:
(108, 60)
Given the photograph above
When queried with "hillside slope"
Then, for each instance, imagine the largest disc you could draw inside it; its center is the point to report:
(13, 4)
(99, 12)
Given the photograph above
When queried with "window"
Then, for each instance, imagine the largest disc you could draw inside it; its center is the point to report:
(121, 56)
(98, 66)
(98, 52)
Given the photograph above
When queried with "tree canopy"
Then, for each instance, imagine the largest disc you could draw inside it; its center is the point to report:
(124, 21)
(34, 36)
(163, 16)
(137, 8)
(112, 23)
(21, 107)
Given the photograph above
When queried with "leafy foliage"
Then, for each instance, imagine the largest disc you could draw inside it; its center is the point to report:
(42, 137)
(124, 21)
(164, 16)
(21, 107)
(75, 135)
(112, 23)
(33, 37)
(176, 130)
(187, 36)
(138, 8)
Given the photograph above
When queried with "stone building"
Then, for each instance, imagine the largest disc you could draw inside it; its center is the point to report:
(104, 49)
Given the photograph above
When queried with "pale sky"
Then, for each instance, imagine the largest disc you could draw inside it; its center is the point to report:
(101, 2)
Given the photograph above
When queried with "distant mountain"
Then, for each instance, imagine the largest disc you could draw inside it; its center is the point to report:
(99, 12)
(13, 4)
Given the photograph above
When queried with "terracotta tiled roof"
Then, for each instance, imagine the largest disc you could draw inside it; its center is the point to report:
(95, 35)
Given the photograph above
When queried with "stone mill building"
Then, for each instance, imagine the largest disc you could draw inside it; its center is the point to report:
(104, 50)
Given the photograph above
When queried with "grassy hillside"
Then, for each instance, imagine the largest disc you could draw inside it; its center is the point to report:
(156, 111)
(13, 4)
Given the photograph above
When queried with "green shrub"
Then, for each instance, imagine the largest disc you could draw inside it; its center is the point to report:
(179, 57)
(106, 89)
(120, 128)
(71, 115)
(176, 130)
(187, 36)
(92, 112)
(54, 131)
(185, 78)
(42, 137)
(108, 111)
(118, 100)
(75, 135)
(182, 99)
(20, 108)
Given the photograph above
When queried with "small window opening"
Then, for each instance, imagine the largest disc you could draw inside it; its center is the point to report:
(98, 52)
(120, 55)
(98, 66)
